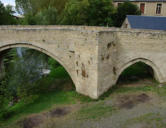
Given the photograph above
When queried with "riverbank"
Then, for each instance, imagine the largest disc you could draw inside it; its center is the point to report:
(141, 104)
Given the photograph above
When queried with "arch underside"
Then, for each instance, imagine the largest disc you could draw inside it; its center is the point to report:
(32, 46)
(157, 74)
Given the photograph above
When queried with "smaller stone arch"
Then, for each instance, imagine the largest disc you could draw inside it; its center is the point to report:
(157, 74)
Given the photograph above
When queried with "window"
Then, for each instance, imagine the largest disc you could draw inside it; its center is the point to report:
(158, 9)
(142, 8)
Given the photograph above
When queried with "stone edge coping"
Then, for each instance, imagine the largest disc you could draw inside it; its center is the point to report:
(95, 29)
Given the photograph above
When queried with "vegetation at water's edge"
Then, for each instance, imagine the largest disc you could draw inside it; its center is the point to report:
(61, 97)
(53, 89)
(56, 88)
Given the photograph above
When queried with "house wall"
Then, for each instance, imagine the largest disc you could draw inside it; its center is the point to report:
(150, 8)
(126, 24)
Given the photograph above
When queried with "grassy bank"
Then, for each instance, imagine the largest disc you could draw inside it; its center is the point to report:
(57, 89)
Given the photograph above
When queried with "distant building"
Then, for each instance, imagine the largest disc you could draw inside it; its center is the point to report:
(145, 22)
(147, 7)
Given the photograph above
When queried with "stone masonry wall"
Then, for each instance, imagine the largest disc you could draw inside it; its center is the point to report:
(94, 57)
(128, 47)
(73, 48)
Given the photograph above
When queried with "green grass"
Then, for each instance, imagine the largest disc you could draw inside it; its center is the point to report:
(59, 72)
(149, 119)
(94, 111)
(47, 97)
(161, 91)
(120, 89)
(44, 102)
(47, 100)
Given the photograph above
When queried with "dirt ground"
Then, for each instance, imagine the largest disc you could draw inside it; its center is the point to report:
(130, 109)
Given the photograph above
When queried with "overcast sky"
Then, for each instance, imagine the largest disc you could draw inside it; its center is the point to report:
(11, 2)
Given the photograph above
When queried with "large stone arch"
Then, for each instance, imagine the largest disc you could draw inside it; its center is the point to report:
(43, 50)
(75, 48)
(157, 73)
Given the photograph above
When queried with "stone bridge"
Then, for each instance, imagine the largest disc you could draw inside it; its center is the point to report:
(94, 57)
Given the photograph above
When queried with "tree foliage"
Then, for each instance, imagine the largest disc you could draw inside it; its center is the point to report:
(4, 96)
(47, 16)
(127, 8)
(44, 17)
(6, 15)
(88, 12)
(35, 6)
(22, 73)
(75, 12)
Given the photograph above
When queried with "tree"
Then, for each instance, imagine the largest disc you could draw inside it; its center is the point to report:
(6, 13)
(25, 7)
(4, 96)
(74, 12)
(88, 12)
(47, 16)
(100, 12)
(29, 19)
(27, 68)
(127, 8)
(44, 17)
